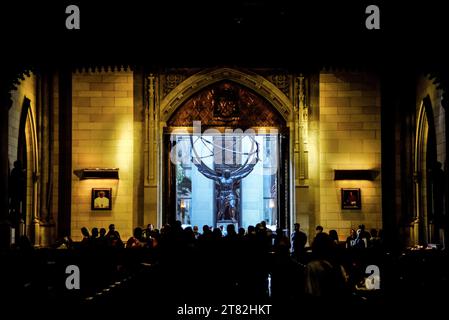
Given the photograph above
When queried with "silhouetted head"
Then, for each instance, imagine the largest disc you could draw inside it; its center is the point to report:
(323, 246)
(95, 232)
(189, 235)
(226, 173)
(217, 233)
(230, 228)
(297, 226)
(84, 232)
(333, 234)
(111, 227)
(102, 232)
(319, 229)
(177, 225)
(18, 164)
(283, 246)
(352, 233)
(279, 232)
(137, 233)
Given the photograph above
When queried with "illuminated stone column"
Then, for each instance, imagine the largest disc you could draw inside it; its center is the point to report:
(304, 203)
(301, 120)
(151, 158)
(303, 126)
(47, 225)
(151, 119)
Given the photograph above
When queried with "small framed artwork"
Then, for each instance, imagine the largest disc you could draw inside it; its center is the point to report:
(351, 199)
(101, 199)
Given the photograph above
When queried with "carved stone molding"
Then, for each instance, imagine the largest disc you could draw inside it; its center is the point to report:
(170, 81)
(283, 82)
(151, 128)
(10, 79)
(103, 68)
(441, 80)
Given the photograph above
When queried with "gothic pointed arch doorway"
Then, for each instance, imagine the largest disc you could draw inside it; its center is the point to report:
(24, 209)
(428, 173)
(227, 108)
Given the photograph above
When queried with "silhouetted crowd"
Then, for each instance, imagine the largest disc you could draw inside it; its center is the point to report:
(257, 261)
(225, 265)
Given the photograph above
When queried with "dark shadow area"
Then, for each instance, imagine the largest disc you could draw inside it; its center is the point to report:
(184, 271)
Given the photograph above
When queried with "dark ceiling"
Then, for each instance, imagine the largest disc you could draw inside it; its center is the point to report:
(252, 32)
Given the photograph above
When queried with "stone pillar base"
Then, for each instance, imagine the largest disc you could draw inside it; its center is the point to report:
(47, 234)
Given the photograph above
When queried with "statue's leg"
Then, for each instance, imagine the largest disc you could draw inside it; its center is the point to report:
(232, 209)
(220, 209)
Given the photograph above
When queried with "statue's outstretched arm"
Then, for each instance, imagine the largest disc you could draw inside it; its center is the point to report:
(246, 168)
(205, 170)
(242, 173)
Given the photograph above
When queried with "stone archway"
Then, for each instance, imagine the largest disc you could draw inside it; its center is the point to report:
(424, 172)
(28, 149)
(177, 98)
(207, 77)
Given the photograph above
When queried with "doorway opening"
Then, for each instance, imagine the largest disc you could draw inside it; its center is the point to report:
(248, 198)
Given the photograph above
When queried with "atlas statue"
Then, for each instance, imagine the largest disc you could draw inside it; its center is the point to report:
(227, 180)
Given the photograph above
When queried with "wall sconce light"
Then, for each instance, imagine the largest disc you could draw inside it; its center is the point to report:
(356, 174)
(97, 173)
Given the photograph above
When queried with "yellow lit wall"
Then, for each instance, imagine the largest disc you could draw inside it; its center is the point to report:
(349, 138)
(103, 137)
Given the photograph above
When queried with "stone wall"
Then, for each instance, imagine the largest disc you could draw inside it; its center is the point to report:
(349, 138)
(102, 137)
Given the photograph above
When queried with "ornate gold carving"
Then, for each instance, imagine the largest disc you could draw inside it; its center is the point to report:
(198, 81)
(283, 82)
(226, 104)
(171, 81)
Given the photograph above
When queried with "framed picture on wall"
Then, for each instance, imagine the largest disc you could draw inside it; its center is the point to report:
(351, 198)
(101, 199)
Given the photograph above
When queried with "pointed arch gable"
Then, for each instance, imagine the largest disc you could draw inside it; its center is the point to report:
(27, 116)
(28, 148)
(425, 118)
(205, 78)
